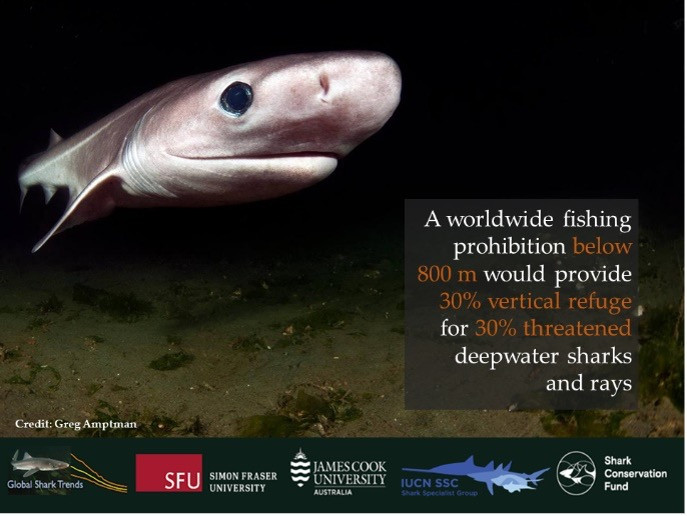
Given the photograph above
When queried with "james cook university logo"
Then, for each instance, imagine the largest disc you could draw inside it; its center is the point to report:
(300, 469)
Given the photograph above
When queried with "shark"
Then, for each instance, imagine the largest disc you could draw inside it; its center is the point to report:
(580, 472)
(245, 133)
(512, 482)
(464, 468)
(509, 480)
(35, 464)
(500, 475)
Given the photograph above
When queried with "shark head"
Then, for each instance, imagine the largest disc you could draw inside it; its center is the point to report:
(567, 472)
(259, 130)
(53, 464)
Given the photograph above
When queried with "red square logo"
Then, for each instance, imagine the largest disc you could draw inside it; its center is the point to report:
(169, 473)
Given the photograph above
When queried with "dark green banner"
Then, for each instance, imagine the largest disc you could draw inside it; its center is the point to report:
(343, 475)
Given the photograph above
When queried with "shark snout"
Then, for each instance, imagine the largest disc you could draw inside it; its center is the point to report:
(362, 82)
(356, 94)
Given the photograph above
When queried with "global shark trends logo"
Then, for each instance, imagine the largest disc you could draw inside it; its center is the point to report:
(48, 476)
(42, 474)
(500, 476)
(33, 465)
(300, 468)
(576, 473)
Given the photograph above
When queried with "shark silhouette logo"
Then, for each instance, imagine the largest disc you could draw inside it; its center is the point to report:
(33, 465)
(500, 475)
(576, 473)
(300, 469)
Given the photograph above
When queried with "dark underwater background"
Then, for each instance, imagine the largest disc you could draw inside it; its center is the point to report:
(285, 317)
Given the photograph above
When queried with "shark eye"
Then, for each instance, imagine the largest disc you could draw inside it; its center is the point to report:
(237, 98)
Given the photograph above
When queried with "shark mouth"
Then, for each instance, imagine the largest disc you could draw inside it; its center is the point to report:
(303, 154)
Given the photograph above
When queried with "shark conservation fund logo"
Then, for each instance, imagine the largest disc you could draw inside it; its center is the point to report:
(445, 479)
(576, 473)
(169, 473)
(337, 477)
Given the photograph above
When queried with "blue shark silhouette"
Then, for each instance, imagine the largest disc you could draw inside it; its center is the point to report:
(460, 468)
(509, 480)
(490, 475)
(512, 482)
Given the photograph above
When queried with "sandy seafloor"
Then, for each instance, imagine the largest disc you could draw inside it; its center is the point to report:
(262, 322)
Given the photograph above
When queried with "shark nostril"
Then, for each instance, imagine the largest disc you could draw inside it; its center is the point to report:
(324, 82)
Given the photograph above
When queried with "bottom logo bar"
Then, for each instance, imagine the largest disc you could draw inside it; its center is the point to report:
(387, 475)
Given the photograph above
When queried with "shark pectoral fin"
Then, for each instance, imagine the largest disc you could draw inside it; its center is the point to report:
(94, 202)
(31, 472)
(22, 196)
(490, 487)
(49, 192)
(54, 138)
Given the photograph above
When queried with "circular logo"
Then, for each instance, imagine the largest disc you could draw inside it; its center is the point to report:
(576, 473)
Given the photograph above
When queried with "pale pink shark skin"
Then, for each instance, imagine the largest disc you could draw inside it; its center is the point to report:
(175, 146)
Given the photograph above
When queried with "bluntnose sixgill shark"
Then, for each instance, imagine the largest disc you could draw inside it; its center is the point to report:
(35, 464)
(245, 133)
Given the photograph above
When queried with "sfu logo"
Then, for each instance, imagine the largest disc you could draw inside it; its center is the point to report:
(169, 473)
